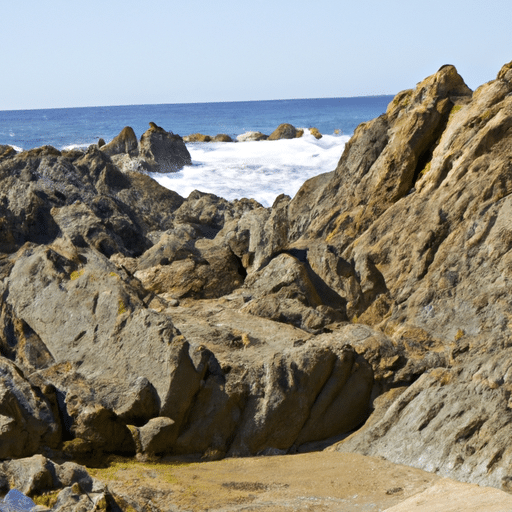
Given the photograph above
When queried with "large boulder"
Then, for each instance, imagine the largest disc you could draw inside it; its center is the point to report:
(85, 310)
(305, 394)
(285, 131)
(163, 151)
(27, 420)
(125, 142)
(284, 291)
(41, 478)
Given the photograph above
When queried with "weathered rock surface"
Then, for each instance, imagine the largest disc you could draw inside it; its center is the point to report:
(378, 294)
(26, 416)
(6, 151)
(38, 477)
(125, 142)
(163, 151)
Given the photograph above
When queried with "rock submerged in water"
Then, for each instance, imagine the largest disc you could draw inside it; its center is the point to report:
(199, 137)
(379, 313)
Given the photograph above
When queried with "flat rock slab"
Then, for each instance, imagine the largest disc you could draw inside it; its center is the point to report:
(320, 481)
(217, 323)
(451, 496)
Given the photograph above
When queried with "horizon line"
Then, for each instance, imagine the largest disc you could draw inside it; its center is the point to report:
(197, 102)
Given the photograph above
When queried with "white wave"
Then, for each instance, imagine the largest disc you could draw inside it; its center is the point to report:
(259, 170)
(81, 146)
(16, 148)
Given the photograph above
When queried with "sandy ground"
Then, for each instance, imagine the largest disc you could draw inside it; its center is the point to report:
(320, 481)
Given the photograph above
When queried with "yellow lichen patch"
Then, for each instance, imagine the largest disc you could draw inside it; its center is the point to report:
(76, 274)
(113, 274)
(401, 99)
(47, 499)
(460, 334)
(486, 115)
(453, 111)
(442, 375)
(121, 307)
(121, 468)
(341, 222)
(425, 169)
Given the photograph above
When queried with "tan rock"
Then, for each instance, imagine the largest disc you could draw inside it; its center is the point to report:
(125, 142)
(285, 131)
(197, 137)
(315, 133)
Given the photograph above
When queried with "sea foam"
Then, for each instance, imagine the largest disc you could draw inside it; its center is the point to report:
(259, 170)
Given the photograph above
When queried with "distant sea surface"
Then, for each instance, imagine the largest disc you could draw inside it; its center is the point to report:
(261, 170)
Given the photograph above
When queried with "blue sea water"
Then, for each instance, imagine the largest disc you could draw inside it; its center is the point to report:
(66, 127)
(259, 170)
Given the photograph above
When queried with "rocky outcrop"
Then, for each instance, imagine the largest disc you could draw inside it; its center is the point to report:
(371, 308)
(6, 151)
(163, 151)
(157, 151)
(125, 142)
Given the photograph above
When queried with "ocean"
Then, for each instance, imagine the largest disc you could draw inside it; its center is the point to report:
(260, 170)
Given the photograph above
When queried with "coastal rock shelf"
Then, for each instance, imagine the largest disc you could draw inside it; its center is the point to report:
(369, 313)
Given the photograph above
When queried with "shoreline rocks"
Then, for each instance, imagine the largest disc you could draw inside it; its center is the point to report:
(370, 309)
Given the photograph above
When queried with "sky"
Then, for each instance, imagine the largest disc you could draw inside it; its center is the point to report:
(111, 52)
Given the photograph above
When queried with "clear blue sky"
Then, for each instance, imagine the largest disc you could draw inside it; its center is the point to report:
(111, 52)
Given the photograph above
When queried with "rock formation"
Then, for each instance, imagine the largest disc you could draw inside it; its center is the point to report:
(164, 151)
(125, 142)
(371, 309)
(157, 150)
(285, 131)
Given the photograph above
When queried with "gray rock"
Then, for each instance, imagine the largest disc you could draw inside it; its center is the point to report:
(158, 436)
(248, 136)
(26, 416)
(163, 151)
